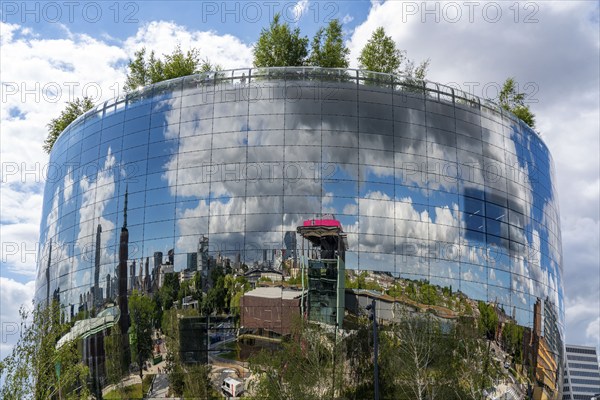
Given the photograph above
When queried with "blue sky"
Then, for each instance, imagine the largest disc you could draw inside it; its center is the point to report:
(48, 56)
(119, 21)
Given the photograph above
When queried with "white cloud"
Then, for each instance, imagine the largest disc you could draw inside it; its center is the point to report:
(161, 36)
(8, 31)
(13, 294)
(300, 9)
(583, 317)
(347, 19)
(593, 331)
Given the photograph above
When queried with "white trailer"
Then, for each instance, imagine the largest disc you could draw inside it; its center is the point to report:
(232, 387)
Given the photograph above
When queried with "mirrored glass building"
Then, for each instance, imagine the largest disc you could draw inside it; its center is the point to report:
(432, 186)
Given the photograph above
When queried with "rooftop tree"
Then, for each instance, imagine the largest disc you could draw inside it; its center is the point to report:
(73, 110)
(417, 72)
(280, 46)
(328, 49)
(381, 54)
(144, 70)
(514, 102)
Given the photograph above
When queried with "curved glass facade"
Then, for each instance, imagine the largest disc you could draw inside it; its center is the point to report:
(427, 182)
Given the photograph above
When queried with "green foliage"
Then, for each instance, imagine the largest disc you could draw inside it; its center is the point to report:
(429, 294)
(169, 292)
(174, 368)
(197, 282)
(414, 359)
(421, 357)
(297, 280)
(514, 102)
(512, 340)
(29, 371)
(524, 114)
(465, 306)
(216, 298)
(178, 64)
(447, 291)
(141, 314)
(360, 282)
(116, 365)
(187, 288)
(73, 110)
(472, 366)
(411, 292)
(488, 319)
(380, 54)
(358, 351)
(328, 49)
(395, 290)
(136, 391)
(197, 384)
(176, 374)
(417, 72)
(415, 76)
(127, 392)
(191, 382)
(280, 46)
(301, 369)
(236, 287)
(144, 70)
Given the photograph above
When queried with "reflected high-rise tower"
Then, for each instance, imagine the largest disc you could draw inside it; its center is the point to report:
(140, 279)
(96, 290)
(48, 272)
(192, 261)
(171, 256)
(290, 245)
(123, 256)
(132, 285)
(108, 288)
(158, 256)
(147, 275)
(203, 261)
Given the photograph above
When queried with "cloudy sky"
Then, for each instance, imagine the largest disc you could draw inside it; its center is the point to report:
(53, 52)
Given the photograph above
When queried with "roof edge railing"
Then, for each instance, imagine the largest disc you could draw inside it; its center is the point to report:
(243, 76)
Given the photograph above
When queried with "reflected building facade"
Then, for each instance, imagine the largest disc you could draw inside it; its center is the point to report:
(428, 183)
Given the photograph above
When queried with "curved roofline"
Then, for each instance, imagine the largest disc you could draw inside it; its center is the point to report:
(396, 82)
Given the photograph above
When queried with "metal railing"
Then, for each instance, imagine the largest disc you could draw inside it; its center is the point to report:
(250, 76)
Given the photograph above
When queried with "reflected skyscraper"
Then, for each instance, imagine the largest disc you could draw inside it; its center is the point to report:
(48, 271)
(192, 261)
(158, 256)
(132, 277)
(108, 288)
(97, 293)
(123, 257)
(147, 281)
(290, 245)
(202, 257)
